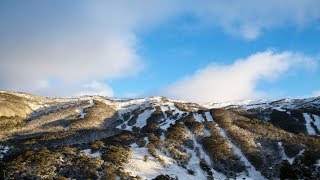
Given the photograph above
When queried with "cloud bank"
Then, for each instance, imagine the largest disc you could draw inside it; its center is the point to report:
(58, 47)
(239, 80)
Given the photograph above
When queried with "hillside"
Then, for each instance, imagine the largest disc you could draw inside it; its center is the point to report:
(93, 137)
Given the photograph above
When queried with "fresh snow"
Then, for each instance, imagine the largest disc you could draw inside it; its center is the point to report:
(317, 121)
(310, 129)
(164, 109)
(3, 151)
(253, 173)
(173, 108)
(283, 154)
(120, 125)
(282, 104)
(167, 123)
(193, 165)
(169, 120)
(244, 103)
(196, 160)
(206, 132)
(279, 109)
(142, 119)
(81, 111)
(66, 128)
(130, 105)
(198, 117)
(152, 168)
(208, 116)
(89, 152)
(318, 163)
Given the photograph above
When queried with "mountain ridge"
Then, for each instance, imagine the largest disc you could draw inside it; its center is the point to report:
(175, 139)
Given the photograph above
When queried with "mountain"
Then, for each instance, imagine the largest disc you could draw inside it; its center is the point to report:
(93, 137)
(293, 115)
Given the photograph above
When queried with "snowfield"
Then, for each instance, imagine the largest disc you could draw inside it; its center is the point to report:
(310, 129)
(150, 169)
(252, 172)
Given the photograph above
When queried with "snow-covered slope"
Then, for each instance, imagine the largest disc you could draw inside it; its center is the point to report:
(150, 138)
(294, 115)
(268, 104)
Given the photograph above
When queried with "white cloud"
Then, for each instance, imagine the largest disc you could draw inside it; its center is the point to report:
(96, 88)
(238, 80)
(81, 41)
(248, 18)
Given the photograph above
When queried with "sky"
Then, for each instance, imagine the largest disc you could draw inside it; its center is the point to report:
(198, 51)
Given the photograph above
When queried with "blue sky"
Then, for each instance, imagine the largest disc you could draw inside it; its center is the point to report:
(196, 51)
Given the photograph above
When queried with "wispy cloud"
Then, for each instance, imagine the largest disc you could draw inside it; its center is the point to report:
(249, 18)
(238, 80)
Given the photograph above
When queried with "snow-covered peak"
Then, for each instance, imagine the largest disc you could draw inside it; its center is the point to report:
(286, 103)
(233, 104)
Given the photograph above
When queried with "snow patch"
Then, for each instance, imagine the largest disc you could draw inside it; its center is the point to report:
(66, 128)
(3, 151)
(89, 152)
(167, 123)
(164, 109)
(253, 173)
(198, 117)
(142, 119)
(194, 165)
(310, 129)
(249, 104)
(173, 108)
(81, 111)
(208, 116)
(195, 161)
(283, 154)
(130, 105)
(279, 109)
(282, 104)
(317, 121)
(176, 112)
(152, 168)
